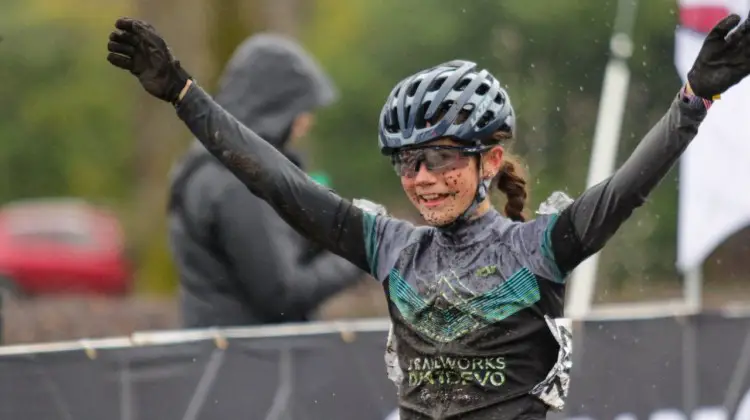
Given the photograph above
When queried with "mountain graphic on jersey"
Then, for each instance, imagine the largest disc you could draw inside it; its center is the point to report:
(446, 317)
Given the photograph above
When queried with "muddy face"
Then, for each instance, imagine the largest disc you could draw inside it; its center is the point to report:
(442, 197)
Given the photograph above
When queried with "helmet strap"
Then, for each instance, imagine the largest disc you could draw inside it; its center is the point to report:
(483, 188)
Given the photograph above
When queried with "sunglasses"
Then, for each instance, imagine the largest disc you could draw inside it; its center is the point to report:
(437, 159)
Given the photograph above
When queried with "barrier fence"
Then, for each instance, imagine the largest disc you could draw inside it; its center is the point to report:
(693, 367)
(655, 368)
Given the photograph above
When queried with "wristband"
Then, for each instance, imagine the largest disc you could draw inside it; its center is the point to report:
(687, 96)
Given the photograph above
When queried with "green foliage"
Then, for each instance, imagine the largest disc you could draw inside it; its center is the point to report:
(62, 116)
(66, 122)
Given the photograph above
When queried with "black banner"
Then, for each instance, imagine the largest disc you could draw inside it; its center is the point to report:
(695, 368)
(686, 368)
(318, 376)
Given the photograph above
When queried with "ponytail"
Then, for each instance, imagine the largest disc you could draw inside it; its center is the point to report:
(512, 182)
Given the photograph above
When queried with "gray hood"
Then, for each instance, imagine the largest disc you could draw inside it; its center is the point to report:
(270, 80)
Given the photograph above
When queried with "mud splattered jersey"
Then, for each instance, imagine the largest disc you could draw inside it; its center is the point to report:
(473, 309)
(473, 312)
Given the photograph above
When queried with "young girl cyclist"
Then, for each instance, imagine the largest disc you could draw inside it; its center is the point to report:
(473, 296)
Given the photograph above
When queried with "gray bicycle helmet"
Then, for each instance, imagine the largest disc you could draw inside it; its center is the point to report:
(425, 106)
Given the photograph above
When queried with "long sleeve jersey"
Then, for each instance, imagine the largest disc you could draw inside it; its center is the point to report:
(471, 306)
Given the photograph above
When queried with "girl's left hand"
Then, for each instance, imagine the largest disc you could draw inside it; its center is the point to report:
(724, 58)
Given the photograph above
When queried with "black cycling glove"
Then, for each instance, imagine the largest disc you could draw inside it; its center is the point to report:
(724, 59)
(136, 47)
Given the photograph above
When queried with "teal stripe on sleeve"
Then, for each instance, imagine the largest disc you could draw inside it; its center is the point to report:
(371, 242)
(546, 247)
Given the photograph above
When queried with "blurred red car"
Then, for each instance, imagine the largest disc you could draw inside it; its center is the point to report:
(61, 246)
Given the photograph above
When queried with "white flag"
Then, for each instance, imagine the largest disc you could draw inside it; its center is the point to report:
(714, 194)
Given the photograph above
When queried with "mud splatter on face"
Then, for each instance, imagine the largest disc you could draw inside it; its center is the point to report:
(441, 198)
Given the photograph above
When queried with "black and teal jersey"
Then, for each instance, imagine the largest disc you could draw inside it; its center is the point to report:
(475, 309)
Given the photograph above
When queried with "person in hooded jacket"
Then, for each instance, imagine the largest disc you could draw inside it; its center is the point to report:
(239, 263)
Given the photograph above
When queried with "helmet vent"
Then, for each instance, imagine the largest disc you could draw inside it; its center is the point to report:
(412, 89)
(437, 84)
(462, 85)
(486, 118)
(420, 121)
(393, 126)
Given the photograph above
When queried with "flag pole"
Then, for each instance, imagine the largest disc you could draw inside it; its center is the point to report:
(602, 163)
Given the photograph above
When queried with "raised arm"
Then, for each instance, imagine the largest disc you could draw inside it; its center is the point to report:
(311, 209)
(564, 240)
(589, 222)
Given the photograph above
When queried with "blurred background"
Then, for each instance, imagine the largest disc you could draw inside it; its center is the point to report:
(86, 154)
